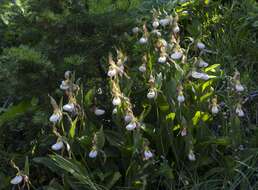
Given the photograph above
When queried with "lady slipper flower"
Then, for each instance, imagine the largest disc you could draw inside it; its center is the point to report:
(155, 23)
(198, 75)
(152, 93)
(114, 111)
(55, 117)
(239, 111)
(128, 117)
(203, 63)
(142, 68)
(147, 154)
(116, 101)
(16, 180)
(180, 97)
(99, 112)
(200, 45)
(131, 126)
(176, 55)
(176, 29)
(143, 40)
(184, 132)
(69, 107)
(215, 106)
(64, 85)
(191, 156)
(135, 30)
(162, 59)
(239, 87)
(58, 145)
(166, 21)
(93, 153)
(112, 72)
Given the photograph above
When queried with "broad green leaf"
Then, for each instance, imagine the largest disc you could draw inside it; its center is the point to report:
(16, 111)
(196, 118)
(89, 97)
(116, 176)
(73, 128)
(171, 116)
(205, 96)
(211, 68)
(27, 166)
(206, 84)
(100, 138)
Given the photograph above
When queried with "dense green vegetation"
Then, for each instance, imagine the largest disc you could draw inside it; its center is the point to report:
(175, 138)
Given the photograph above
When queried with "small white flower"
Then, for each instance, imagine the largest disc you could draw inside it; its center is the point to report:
(200, 45)
(131, 126)
(184, 132)
(148, 154)
(163, 42)
(239, 111)
(162, 59)
(203, 63)
(191, 156)
(164, 22)
(143, 40)
(57, 146)
(16, 180)
(142, 68)
(93, 153)
(215, 109)
(135, 30)
(151, 94)
(239, 87)
(176, 55)
(176, 29)
(69, 107)
(116, 101)
(55, 117)
(99, 112)
(64, 85)
(155, 24)
(112, 72)
(180, 98)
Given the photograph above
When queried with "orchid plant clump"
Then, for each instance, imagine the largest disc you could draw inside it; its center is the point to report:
(164, 94)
